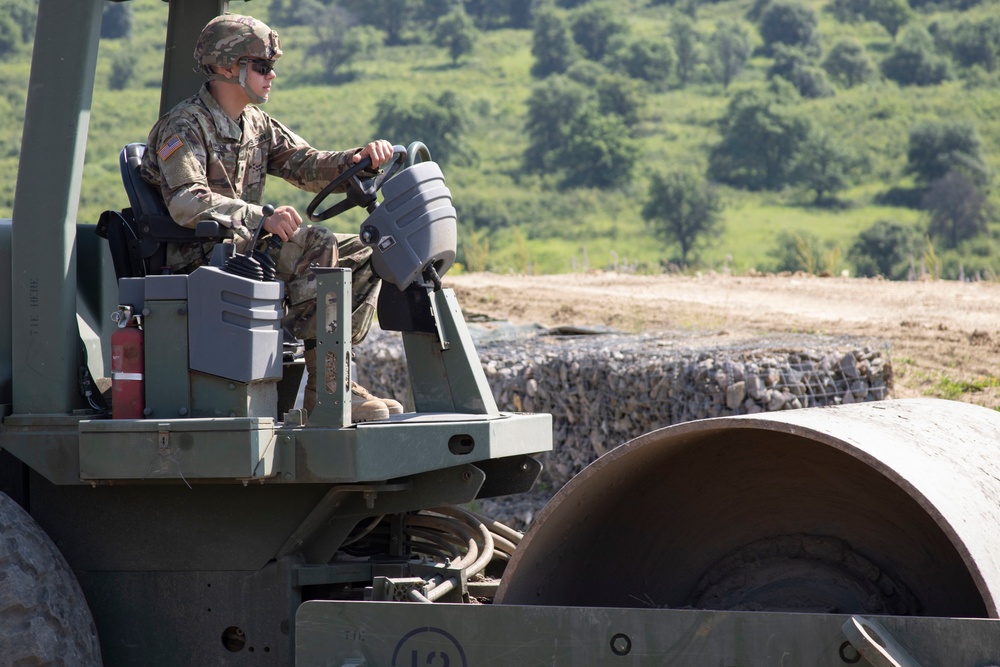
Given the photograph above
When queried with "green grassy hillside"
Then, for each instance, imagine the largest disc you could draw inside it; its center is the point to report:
(543, 227)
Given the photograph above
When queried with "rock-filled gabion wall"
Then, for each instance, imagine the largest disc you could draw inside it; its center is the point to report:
(603, 390)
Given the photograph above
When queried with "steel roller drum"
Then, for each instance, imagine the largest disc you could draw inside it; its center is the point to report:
(889, 507)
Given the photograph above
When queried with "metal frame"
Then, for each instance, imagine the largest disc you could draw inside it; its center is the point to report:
(380, 634)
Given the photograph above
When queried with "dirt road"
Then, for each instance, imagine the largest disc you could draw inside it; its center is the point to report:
(943, 337)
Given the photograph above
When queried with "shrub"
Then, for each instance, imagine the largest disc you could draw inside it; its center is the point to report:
(790, 23)
(762, 134)
(884, 249)
(793, 65)
(552, 43)
(938, 147)
(594, 27)
(848, 63)
(914, 60)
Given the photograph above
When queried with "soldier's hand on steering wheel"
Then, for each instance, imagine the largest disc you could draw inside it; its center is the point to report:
(378, 151)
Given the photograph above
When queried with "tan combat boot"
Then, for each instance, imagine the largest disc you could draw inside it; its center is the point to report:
(395, 407)
(363, 408)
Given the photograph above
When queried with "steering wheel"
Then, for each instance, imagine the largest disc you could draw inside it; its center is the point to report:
(360, 190)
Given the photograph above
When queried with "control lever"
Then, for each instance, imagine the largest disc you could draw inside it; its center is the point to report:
(255, 264)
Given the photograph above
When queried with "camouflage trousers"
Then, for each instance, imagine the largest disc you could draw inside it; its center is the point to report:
(309, 245)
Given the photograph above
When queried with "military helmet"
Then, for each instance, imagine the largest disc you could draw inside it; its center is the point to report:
(227, 38)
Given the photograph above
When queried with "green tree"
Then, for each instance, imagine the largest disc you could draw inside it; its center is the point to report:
(552, 105)
(824, 166)
(884, 249)
(338, 41)
(791, 23)
(22, 12)
(10, 36)
(441, 123)
(621, 97)
(848, 63)
(598, 151)
(683, 209)
(122, 69)
(595, 25)
(116, 22)
(974, 42)
(958, 5)
(687, 47)
(578, 130)
(729, 49)
(958, 210)
(17, 24)
(762, 135)
(491, 14)
(847, 11)
(552, 43)
(392, 17)
(650, 60)
(613, 94)
(914, 60)
(796, 67)
(457, 32)
(521, 12)
(433, 11)
(284, 13)
(939, 147)
(587, 72)
(890, 14)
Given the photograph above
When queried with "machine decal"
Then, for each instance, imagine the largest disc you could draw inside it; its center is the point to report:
(428, 647)
(386, 242)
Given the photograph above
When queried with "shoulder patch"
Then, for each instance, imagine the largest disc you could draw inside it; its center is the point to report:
(167, 149)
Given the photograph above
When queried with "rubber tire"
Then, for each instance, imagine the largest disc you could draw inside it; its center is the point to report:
(44, 618)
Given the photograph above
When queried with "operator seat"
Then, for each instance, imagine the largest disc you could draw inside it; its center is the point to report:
(138, 235)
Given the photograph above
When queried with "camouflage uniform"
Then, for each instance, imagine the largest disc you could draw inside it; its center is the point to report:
(208, 168)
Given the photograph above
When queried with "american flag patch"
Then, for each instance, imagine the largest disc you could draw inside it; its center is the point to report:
(167, 149)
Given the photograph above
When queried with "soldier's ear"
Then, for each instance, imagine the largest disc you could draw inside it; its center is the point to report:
(231, 72)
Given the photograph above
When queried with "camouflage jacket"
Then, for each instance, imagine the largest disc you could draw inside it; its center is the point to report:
(208, 168)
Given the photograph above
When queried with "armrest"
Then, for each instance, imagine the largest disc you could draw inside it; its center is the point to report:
(211, 229)
(163, 229)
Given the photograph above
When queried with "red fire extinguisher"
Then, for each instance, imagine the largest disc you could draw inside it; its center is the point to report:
(128, 387)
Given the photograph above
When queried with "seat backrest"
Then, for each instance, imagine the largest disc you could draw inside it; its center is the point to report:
(138, 235)
(151, 212)
(145, 199)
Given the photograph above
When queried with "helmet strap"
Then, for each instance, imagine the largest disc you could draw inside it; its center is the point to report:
(254, 97)
(215, 76)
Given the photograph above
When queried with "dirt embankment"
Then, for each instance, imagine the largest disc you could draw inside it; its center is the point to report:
(943, 337)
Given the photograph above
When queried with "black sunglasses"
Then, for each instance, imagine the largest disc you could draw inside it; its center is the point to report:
(262, 67)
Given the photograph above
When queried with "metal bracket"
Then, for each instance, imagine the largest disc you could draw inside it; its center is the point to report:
(874, 643)
(327, 506)
(387, 589)
(436, 316)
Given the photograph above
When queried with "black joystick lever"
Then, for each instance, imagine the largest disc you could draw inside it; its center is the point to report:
(255, 264)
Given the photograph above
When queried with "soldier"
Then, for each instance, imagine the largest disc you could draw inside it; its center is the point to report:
(209, 157)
